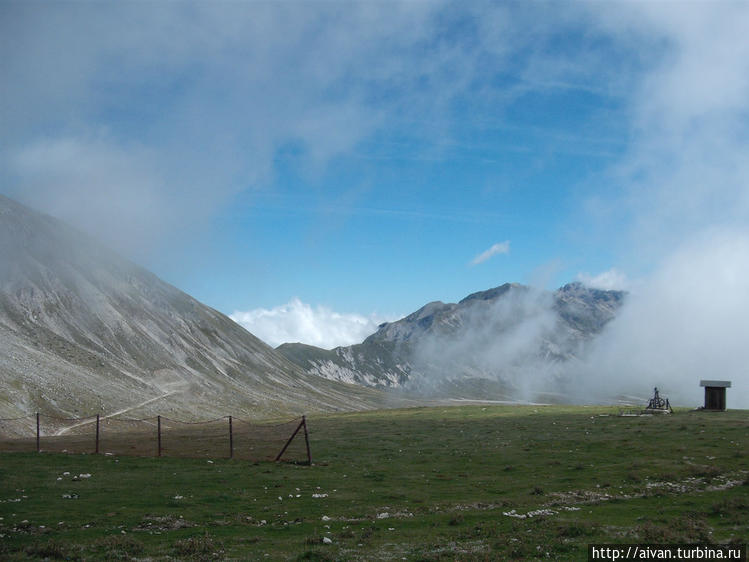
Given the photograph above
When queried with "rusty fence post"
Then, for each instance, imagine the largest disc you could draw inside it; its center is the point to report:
(158, 431)
(231, 440)
(97, 434)
(38, 448)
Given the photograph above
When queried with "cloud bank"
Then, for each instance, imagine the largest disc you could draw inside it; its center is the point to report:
(298, 322)
(682, 192)
(685, 184)
(506, 342)
(179, 107)
(176, 108)
(170, 109)
(687, 323)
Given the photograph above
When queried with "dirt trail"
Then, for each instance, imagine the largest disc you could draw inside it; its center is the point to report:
(64, 430)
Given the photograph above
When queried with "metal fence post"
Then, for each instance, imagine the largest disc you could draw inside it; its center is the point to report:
(38, 448)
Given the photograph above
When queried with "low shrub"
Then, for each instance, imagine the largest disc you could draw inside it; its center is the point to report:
(200, 547)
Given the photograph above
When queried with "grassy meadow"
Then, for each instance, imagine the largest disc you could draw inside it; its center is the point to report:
(439, 483)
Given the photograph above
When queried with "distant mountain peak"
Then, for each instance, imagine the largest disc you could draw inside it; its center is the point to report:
(452, 343)
(494, 293)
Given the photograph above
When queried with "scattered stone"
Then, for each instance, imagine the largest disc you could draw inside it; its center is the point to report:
(530, 514)
(155, 524)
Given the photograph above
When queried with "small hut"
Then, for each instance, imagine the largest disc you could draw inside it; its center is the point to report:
(715, 394)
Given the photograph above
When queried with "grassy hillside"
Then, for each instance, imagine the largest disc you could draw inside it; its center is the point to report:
(446, 483)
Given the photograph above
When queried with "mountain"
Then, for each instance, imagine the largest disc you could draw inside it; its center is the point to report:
(83, 330)
(487, 345)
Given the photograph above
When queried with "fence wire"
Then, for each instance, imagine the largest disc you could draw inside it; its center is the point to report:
(226, 437)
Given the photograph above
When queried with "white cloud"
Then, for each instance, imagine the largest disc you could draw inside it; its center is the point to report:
(688, 160)
(498, 248)
(610, 280)
(498, 340)
(299, 322)
(215, 91)
(684, 184)
(97, 185)
(687, 323)
(195, 98)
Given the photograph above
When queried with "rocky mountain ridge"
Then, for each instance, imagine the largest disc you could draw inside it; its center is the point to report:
(491, 336)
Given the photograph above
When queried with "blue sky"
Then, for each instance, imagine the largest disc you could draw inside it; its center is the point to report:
(317, 167)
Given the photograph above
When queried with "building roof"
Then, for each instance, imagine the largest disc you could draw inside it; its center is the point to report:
(721, 384)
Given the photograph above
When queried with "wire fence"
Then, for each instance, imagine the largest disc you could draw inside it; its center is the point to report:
(227, 437)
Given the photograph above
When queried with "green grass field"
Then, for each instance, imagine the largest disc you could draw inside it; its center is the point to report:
(442, 483)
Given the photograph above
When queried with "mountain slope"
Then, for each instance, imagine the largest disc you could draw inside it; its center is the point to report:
(491, 339)
(83, 330)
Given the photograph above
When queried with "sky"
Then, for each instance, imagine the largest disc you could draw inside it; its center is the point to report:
(316, 168)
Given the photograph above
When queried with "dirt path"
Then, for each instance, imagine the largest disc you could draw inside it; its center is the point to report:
(64, 430)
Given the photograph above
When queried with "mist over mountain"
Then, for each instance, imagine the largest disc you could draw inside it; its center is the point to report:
(83, 330)
(511, 342)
